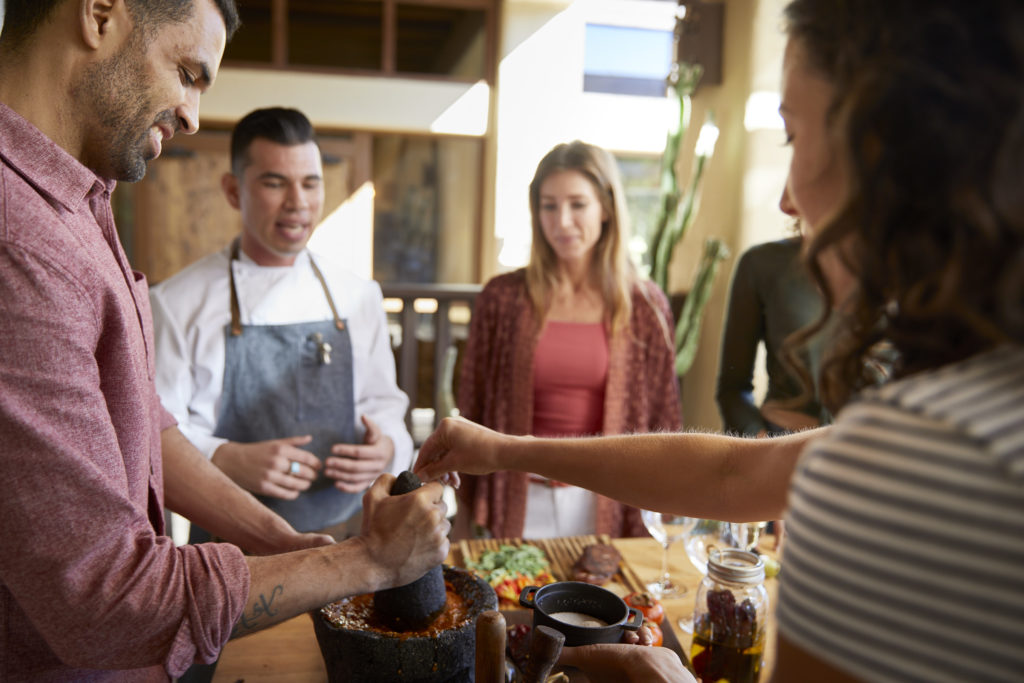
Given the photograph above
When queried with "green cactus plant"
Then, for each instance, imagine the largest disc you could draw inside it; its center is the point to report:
(677, 210)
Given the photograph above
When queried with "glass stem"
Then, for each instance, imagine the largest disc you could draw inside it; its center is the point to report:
(664, 566)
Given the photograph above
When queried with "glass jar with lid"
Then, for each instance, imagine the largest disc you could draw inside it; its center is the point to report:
(729, 619)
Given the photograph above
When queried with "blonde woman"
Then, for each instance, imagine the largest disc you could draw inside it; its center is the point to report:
(576, 343)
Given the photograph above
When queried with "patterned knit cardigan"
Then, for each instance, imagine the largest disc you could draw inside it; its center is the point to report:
(496, 390)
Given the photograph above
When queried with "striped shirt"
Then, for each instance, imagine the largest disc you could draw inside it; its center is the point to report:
(905, 550)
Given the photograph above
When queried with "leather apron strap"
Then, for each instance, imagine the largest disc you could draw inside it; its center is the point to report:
(236, 309)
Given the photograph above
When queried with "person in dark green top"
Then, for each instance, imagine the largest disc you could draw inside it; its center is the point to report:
(771, 297)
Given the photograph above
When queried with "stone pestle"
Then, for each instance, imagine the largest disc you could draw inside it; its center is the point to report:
(414, 606)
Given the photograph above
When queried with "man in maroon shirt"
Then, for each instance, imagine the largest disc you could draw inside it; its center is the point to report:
(91, 588)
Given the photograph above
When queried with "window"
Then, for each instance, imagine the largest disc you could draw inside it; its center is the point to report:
(626, 61)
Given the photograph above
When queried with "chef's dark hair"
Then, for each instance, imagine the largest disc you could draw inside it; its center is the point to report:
(21, 18)
(278, 124)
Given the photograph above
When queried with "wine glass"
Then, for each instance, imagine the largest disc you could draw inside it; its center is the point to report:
(666, 528)
(707, 534)
(746, 535)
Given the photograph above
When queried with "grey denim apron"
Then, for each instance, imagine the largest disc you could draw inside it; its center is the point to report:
(289, 380)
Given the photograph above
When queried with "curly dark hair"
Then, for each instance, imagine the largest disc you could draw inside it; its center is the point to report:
(929, 109)
(23, 17)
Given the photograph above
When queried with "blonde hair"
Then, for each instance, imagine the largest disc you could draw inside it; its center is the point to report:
(611, 263)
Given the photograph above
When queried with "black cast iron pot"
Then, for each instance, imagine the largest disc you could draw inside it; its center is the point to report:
(585, 598)
(356, 655)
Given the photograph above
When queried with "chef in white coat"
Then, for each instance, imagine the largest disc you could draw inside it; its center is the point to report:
(277, 363)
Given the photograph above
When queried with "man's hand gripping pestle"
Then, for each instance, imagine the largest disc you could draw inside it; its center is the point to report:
(414, 606)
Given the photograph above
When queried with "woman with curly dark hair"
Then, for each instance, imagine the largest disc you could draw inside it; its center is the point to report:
(905, 519)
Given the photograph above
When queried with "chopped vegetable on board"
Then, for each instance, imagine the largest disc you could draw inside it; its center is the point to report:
(510, 568)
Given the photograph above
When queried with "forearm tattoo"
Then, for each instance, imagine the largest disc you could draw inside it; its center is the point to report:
(260, 614)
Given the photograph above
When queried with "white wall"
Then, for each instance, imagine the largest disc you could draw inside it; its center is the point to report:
(352, 102)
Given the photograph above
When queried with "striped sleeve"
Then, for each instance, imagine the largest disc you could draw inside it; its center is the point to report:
(905, 551)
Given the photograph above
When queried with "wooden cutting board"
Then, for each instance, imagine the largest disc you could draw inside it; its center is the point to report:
(561, 552)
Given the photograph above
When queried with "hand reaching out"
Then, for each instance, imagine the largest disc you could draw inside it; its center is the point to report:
(458, 445)
(354, 467)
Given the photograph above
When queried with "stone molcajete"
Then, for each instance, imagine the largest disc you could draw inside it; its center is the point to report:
(423, 632)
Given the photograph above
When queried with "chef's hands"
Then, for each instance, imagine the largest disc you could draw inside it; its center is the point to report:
(621, 663)
(354, 467)
(404, 535)
(265, 467)
(458, 445)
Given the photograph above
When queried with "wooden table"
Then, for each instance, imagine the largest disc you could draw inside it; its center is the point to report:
(288, 652)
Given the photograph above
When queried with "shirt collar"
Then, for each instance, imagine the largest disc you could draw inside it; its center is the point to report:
(300, 259)
(44, 164)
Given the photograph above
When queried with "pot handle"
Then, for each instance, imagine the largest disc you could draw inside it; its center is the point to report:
(635, 620)
(526, 596)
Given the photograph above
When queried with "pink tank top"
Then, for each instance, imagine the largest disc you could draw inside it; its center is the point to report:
(570, 369)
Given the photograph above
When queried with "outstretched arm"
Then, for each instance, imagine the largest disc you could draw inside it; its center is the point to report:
(700, 475)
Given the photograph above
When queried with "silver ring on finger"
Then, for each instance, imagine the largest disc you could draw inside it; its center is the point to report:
(293, 469)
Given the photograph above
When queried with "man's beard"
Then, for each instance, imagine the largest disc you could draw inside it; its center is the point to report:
(115, 92)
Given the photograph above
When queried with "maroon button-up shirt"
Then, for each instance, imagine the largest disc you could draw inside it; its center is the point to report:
(90, 587)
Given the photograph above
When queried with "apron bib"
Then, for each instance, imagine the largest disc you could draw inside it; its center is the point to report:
(287, 380)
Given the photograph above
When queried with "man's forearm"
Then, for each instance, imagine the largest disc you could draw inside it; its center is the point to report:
(402, 537)
(199, 491)
(283, 586)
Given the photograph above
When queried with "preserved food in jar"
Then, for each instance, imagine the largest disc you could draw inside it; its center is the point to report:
(729, 619)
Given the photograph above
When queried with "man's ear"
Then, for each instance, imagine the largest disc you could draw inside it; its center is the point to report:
(229, 183)
(104, 20)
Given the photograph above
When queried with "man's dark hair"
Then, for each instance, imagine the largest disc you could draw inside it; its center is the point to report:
(22, 18)
(278, 124)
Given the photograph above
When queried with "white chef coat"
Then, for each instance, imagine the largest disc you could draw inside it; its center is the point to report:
(192, 309)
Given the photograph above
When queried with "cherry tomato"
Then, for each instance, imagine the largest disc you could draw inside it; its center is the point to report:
(648, 606)
(657, 637)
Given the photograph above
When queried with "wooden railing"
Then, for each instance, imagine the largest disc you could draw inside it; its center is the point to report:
(435, 318)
